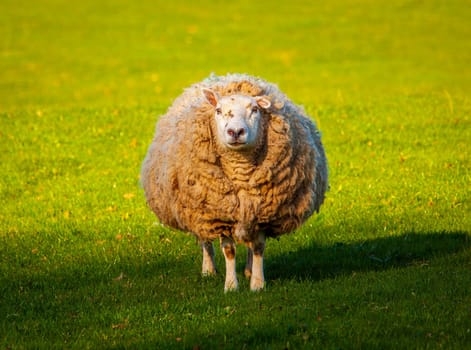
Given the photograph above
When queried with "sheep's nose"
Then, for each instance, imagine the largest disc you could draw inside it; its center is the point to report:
(236, 133)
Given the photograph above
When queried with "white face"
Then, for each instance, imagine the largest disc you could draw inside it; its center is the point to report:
(237, 118)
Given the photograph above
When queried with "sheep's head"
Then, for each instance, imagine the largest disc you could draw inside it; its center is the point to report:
(237, 118)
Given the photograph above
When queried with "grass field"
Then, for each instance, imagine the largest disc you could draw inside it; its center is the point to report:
(385, 265)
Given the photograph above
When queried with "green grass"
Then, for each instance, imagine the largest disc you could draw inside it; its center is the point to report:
(387, 262)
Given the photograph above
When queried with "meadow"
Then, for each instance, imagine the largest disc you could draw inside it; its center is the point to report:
(386, 264)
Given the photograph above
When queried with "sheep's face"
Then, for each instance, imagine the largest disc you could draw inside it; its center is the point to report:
(237, 118)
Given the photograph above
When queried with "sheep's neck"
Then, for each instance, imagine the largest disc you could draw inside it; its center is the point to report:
(239, 168)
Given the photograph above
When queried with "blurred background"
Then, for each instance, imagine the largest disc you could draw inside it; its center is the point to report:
(89, 53)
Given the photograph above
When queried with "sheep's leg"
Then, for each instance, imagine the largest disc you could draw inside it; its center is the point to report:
(229, 250)
(257, 280)
(209, 265)
(248, 264)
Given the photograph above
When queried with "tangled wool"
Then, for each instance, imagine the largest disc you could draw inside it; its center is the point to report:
(194, 184)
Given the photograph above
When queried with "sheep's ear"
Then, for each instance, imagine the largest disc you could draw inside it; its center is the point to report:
(211, 96)
(263, 102)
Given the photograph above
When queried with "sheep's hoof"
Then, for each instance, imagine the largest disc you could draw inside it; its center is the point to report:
(208, 269)
(231, 286)
(256, 284)
(209, 273)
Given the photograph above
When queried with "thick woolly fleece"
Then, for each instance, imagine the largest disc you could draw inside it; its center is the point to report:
(195, 184)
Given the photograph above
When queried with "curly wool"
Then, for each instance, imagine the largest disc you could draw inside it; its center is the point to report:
(194, 184)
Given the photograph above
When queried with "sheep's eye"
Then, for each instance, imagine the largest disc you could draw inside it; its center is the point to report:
(218, 110)
(254, 109)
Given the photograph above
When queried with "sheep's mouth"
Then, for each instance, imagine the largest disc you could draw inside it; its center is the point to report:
(237, 144)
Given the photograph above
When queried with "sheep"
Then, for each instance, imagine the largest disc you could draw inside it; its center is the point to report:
(233, 158)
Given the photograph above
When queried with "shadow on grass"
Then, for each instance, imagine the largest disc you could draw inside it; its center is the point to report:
(316, 262)
(160, 292)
